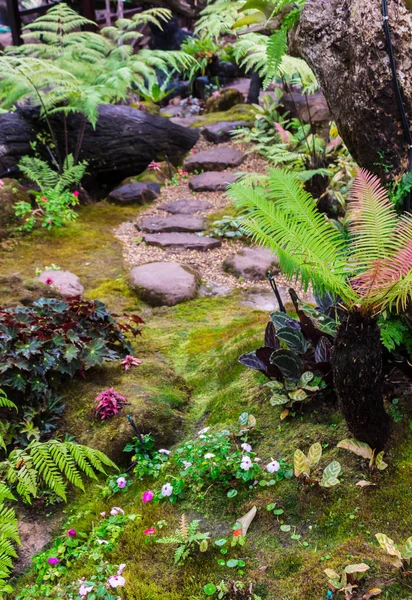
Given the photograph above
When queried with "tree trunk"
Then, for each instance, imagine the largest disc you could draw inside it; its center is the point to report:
(123, 143)
(254, 88)
(344, 43)
(357, 376)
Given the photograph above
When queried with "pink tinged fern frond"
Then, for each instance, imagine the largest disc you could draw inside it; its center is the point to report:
(373, 221)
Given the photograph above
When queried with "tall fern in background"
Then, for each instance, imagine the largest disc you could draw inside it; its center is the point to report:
(370, 274)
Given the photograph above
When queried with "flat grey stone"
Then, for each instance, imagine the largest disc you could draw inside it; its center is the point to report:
(251, 263)
(164, 283)
(185, 121)
(219, 133)
(135, 193)
(175, 223)
(217, 159)
(185, 206)
(181, 241)
(67, 283)
(212, 181)
(265, 301)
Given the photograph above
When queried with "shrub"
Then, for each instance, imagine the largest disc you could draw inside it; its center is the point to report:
(108, 403)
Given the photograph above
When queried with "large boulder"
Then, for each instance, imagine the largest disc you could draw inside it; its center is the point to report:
(67, 283)
(212, 181)
(11, 192)
(175, 223)
(135, 193)
(311, 108)
(217, 159)
(225, 100)
(15, 291)
(251, 263)
(164, 283)
(219, 133)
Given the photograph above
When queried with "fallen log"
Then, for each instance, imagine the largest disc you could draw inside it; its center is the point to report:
(123, 143)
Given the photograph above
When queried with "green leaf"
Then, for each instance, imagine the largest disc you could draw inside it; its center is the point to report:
(330, 474)
(388, 545)
(231, 563)
(298, 395)
(307, 376)
(314, 454)
(380, 463)
(301, 464)
(293, 338)
(359, 448)
(407, 549)
(279, 399)
(285, 528)
(232, 493)
(288, 362)
(359, 568)
(210, 589)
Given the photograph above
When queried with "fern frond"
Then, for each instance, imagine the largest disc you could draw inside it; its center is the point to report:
(276, 47)
(184, 532)
(5, 402)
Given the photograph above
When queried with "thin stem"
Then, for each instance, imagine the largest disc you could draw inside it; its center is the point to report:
(80, 140)
(312, 132)
(66, 135)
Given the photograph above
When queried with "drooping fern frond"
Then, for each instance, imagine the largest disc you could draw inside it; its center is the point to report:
(218, 18)
(276, 48)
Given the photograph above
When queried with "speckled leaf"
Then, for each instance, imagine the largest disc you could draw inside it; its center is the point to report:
(330, 474)
(279, 399)
(288, 362)
(388, 545)
(380, 463)
(301, 464)
(359, 568)
(359, 448)
(293, 338)
(407, 549)
(306, 377)
(298, 395)
(314, 454)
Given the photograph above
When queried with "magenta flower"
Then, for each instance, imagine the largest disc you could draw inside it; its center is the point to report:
(154, 166)
(116, 510)
(149, 532)
(147, 496)
(76, 194)
(53, 560)
(130, 361)
(72, 533)
(49, 281)
(108, 403)
(121, 482)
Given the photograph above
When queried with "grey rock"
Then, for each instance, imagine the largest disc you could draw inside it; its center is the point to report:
(181, 241)
(265, 301)
(185, 206)
(175, 223)
(135, 193)
(185, 121)
(250, 263)
(164, 283)
(220, 132)
(217, 159)
(212, 181)
(67, 283)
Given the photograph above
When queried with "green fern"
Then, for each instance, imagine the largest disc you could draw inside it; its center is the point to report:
(187, 537)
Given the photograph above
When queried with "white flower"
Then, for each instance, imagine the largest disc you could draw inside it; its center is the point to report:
(102, 542)
(84, 590)
(273, 466)
(209, 455)
(187, 464)
(167, 490)
(202, 437)
(116, 581)
(246, 463)
(121, 568)
(258, 459)
(116, 510)
(246, 447)
(102, 514)
(204, 430)
(163, 451)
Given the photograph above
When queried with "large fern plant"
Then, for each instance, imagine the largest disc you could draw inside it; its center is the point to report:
(28, 472)
(369, 274)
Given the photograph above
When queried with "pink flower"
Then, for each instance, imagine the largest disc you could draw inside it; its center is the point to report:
(147, 496)
(49, 281)
(76, 194)
(1, 183)
(43, 198)
(149, 531)
(108, 403)
(121, 568)
(130, 361)
(216, 94)
(116, 510)
(116, 581)
(103, 514)
(154, 166)
(72, 533)
(121, 482)
(84, 590)
(53, 560)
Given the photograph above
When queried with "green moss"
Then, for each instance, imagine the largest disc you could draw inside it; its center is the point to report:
(240, 112)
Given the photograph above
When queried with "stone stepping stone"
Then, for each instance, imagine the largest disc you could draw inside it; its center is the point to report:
(181, 241)
(67, 283)
(212, 181)
(219, 133)
(135, 193)
(251, 263)
(175, 223)
(185, 206)
(164, 283)
(217, 159)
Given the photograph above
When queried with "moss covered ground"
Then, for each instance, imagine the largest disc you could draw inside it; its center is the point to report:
(190, 377)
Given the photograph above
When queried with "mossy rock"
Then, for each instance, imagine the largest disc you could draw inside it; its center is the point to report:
(147, 106)
(224, 101)
(240, 112)
(10, 192)
(150, 176)
(16, 291)
(156, 396)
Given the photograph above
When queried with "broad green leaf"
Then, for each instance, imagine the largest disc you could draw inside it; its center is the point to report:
(301, 464)
(306, 377)
(359, 448)
(359, 568)
(298, 395)
(252, 19)
(293, 338)
(388, 545)
(314, 454)
(380, 463)
(285, 528)
(251, 422)
(279, 399)
(330, 474)
(407, 549)
(203, 546)
(210, 589)
(243, 418)
(265, 7)
(288, 362)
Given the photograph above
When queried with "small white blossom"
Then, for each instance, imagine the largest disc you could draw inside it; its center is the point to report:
(167, 490)
(246, 447)
(116, 510)
(204, 430)
(273, 466)
(246, 463)
(102, 542)
(85, 589)
(209, 455)
(187, 464)
(116, 581)
(163, 451)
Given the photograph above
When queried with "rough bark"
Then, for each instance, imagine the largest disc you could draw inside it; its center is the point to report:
(357, 376)
(344, 43)
(124, 142)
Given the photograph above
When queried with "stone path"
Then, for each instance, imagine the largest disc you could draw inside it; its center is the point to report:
(173, 260)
